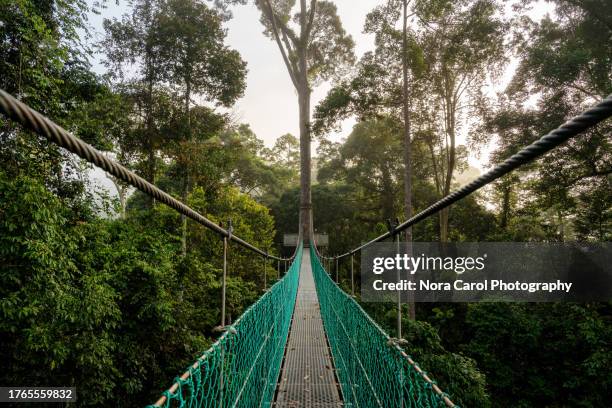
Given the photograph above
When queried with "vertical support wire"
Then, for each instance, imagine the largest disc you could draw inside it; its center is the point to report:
(352, 275)
(336, 270)
(399, 293)
(224, 282)
(265, 273)
(223, 310)
(392, 225)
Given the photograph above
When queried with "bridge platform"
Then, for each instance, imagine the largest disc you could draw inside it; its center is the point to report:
(308, 376)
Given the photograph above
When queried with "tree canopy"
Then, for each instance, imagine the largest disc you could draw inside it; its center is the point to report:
(115, 294)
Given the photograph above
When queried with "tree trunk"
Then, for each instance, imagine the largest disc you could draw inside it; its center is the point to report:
(407, 145)
(184, 196)
(150, 142)
(294, 51)
(122, 191)
(305, 158)
(505, 214)
(185, 186)
(444, 225)
(450, 111)
(388, 191)
(151, 160)
(149, 69)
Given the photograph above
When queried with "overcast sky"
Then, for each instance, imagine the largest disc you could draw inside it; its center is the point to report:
(269, 104)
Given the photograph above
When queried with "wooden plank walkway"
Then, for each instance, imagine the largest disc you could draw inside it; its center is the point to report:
(307, 376)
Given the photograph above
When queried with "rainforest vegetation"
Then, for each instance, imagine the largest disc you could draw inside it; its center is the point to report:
(115, 293)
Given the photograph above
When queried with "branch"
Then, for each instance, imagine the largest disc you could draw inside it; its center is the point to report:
(287, 31)
(435, 166)
(272, 17)
(290, 50)
(583, 90)
(283, 27)
(593, 13)
(459, 90)
(311, 16)
(596, 173)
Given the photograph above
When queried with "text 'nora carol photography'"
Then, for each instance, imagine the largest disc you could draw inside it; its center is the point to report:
(460, 285)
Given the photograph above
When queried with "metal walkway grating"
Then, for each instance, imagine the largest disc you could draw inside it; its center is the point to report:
(307, 377)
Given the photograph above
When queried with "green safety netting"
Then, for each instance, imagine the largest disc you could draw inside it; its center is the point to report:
(241, 369)
(372, 370)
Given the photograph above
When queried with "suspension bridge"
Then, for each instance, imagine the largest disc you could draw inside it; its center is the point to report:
(305, 342)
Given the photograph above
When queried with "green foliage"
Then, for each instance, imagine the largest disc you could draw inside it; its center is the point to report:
(319, 38)
(193, 56)
(56, 322)
(92, 303)
(111, 306)
(108, 305)
(361, 183)
(508, 339)
(456, 373)
(564, 63)
(44, 65)
(376, 169)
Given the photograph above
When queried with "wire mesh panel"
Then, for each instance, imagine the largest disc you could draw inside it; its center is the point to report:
(307, 378)
(241, 369)
(372, 370)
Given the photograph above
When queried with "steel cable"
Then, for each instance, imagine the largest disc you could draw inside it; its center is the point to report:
(35, 121)
(563, 133)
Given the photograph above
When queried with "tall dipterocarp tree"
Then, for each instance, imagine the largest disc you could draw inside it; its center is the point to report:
(463, 44)
(376, 89)
(387, 82)
(133, 41)
(566, 62)
(314, 47)
(407, 135)
(196, 62)
(398, 44)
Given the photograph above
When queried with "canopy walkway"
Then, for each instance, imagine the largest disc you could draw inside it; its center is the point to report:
(308, 377)
(305, 342)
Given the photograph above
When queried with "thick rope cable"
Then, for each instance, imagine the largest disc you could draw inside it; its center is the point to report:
(563, 133)
(35, 121)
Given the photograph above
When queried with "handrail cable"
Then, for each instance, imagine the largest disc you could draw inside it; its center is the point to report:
(568, 130)
(37, 122)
